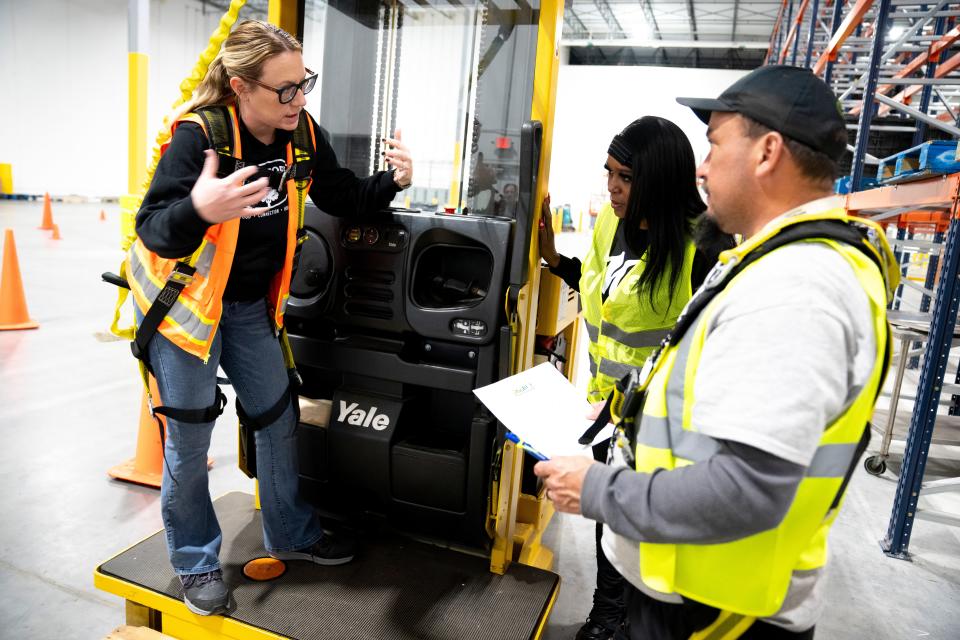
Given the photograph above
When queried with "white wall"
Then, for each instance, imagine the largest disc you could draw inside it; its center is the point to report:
(63, 106)
(596, 103)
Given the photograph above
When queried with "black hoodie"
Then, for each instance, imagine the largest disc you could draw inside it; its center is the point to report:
(169, 225)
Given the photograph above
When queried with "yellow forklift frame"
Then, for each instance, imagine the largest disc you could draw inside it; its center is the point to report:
(517, 521)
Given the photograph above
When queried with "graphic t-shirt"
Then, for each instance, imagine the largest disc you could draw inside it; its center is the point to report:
(262, 241)
(621, 260)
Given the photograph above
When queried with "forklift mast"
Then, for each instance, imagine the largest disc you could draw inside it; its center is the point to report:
(396, 318)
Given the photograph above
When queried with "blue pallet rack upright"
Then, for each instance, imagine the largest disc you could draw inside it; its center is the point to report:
(865, 49)
(924, 416)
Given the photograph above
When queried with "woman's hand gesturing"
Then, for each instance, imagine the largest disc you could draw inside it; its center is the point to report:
(398, 155)
(220, 199)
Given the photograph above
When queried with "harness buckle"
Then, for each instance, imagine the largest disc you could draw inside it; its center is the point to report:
(288, 173)
(179, 277)
(181, 274)
(719, 272)
(632, 399)
(633, 387)
(623, 442)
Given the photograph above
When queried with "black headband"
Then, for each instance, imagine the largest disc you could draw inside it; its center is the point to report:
(620, 150)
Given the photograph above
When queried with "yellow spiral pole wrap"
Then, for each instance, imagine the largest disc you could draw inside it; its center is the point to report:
(190, 83)
(130, 204)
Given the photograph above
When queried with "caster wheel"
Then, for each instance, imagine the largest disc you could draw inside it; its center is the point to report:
(875, 465)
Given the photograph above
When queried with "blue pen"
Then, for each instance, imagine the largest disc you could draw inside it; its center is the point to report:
(512, 437)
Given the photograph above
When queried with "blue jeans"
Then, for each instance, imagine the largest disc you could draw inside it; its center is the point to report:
(249, 352)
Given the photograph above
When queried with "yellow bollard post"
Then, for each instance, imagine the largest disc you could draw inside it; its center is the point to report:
(6, 178)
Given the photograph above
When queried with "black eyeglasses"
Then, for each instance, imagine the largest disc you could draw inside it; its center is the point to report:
(288, 92)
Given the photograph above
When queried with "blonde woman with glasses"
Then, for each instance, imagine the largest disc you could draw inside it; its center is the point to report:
(226, 220)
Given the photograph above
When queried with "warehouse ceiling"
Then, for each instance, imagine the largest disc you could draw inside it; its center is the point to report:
(689, 33)
(718, 21)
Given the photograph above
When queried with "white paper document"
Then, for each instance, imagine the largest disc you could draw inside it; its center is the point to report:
(543, 409)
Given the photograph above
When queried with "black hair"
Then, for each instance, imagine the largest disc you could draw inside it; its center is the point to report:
(663, 191)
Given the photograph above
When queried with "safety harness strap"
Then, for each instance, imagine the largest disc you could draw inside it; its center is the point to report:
(196, 416)
(304, 150)
(813, 230)
(216, 122)
(602, 419)
(269, 416)
(180, 277)
(250, 425)
(627, 399)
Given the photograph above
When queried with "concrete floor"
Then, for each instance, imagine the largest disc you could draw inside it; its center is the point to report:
(69, 410)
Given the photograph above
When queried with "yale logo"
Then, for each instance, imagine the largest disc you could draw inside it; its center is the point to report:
(352, 414)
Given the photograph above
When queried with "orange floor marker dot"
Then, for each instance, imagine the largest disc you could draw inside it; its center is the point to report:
(263, 569)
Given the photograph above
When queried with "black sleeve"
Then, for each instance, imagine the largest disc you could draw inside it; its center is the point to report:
(339, 192)
(167, 222)
(568, 270)
(711, 241)
(701, 267)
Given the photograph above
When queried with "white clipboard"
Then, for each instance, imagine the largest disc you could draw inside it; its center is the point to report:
(543, 410)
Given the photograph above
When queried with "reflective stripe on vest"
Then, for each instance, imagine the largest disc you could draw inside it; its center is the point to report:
(184, 318)
(625, 328)
(205, 261)
(750, 576)
(632, 339)
(192, 322)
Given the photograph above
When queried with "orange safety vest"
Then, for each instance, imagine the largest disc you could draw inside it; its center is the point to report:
(191, 323)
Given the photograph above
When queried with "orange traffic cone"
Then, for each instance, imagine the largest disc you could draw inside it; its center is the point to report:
(103, 215)
(47, 224)
(146, 467)
(13, 304)
(56, 232)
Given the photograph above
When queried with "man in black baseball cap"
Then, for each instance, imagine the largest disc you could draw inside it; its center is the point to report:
(790, 100)
(785, 126)
(719, 495)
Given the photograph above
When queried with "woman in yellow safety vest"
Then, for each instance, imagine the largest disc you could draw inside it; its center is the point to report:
(640, 270)
(228, 239)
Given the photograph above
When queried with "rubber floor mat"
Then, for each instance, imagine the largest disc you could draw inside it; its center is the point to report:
(393, 589)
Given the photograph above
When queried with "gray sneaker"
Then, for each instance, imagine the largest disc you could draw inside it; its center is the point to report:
(329, 550)
(205, 593)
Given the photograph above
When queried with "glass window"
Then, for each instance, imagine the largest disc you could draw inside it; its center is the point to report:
(457, 79)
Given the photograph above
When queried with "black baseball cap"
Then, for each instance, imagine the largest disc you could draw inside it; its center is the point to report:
(790, 100)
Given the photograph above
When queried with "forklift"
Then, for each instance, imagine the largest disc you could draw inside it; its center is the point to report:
(393, 321)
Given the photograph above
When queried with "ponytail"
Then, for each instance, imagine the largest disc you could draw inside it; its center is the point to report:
(213, 89)
(243, 54)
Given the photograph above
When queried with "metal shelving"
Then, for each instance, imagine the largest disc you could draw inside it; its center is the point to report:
(893, 66)
(933, 204)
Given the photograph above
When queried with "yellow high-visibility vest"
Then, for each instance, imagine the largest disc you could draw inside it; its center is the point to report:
(625, 328)
(750, 576)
